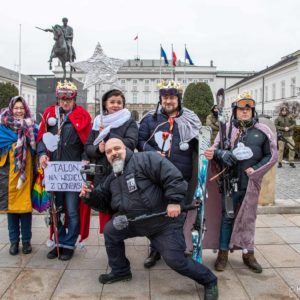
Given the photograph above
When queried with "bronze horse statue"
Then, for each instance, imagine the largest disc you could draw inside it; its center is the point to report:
(61, 51)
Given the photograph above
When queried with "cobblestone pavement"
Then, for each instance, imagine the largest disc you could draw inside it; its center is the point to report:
(277, 242)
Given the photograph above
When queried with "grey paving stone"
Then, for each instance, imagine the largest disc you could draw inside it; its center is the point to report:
(4, 235)
(40, 235)
(267, 285)
(81, 284)
(40, 261)
(280, 255)
(16, 261)
(167, 284)
(292, 277)
(38, 220)
(136, 256)
(89, 258)
(266, 236)
(276, 220)
(296, 247)
(7, 276)
(137, 241)
(33, 284)
(94, 238)
(137, 288)
(289, 234)
(293, 218)
(259, 223)
(229, 286)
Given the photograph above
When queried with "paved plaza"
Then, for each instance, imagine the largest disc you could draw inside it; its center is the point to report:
(277, 249)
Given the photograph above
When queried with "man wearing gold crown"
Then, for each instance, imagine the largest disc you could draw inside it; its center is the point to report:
(171, 131)
(253, 151)
(70, 125)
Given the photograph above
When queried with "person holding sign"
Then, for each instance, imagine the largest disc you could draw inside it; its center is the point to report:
(144, 183)
(116, 121)
(172, 131)
(252, 153)
(17, 152)
(64, 130)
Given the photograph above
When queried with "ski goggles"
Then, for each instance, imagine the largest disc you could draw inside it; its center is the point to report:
(168, 92)
(245, 103)
(66, 94)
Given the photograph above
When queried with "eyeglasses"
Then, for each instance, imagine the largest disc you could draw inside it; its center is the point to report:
(66, 94)
(168, 92)
(245, 103)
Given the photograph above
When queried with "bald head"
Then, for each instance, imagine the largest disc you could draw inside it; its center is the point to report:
(115, 149)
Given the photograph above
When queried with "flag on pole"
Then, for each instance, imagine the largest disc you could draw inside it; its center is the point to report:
(187, 57)
(164, 55)
(174, 58)
(136, 37)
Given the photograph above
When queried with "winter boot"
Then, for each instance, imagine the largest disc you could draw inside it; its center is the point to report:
(279, 165)
(221, 261)
(251, 262)
(211, 292)
(292, 165)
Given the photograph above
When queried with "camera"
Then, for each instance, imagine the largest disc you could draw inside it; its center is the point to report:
(92, 170)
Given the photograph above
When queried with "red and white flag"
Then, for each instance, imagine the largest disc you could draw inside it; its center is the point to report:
(174, 58)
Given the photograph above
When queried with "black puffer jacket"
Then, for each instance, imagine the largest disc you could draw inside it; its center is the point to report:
(128, 133)
(148, 184)
(183, 160)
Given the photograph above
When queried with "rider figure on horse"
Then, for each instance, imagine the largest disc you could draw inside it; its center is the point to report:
(68, 35)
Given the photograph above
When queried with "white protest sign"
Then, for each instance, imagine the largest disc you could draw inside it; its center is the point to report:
(63, 176)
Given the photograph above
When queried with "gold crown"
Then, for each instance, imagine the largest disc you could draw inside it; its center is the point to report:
(66, 85)
(245, 95)
(170, 84)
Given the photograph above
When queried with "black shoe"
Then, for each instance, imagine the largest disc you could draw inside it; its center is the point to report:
(14, 249)
(53, 253)
(26, 248)
(151, 260)
(279, 165)
(211, 292)
(251, 262)
(111, 278)
(67, 254)
(292, 165)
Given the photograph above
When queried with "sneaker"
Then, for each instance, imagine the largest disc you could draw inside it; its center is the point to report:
(251, 262)
(111, 278)
(151, 260)
(279, 165)
(221, 260)
(292, 165)
(67, 254)
(211, 292)
(26, 249)
(53, 253)
(14, 248)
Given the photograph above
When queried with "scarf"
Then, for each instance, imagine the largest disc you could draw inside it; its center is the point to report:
(110, 121)
(24, 129)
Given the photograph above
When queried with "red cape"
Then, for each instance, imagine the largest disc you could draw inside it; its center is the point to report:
(82, 122)
(79, 117)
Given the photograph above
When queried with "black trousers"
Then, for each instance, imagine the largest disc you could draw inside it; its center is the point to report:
(170, 244)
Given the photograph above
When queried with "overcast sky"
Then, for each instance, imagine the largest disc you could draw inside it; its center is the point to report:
(235, 34)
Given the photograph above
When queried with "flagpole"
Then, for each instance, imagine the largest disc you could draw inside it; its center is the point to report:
(20, 84)
(160, 63)
(137, 46)
(173, 73)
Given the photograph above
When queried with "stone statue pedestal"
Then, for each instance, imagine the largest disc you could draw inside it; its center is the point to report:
(46, 96)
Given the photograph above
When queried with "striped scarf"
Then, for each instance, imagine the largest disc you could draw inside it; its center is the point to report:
(24, 128)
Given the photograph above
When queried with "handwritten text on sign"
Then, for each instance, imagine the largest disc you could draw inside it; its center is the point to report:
(63, 176)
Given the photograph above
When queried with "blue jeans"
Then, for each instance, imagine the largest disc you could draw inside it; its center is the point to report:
(69, 201)
(170, 244)
(13, 221)
(227, 223)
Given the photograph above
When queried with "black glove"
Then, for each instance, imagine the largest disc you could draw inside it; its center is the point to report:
(226, 157)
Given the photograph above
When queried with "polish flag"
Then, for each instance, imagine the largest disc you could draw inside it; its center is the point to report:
(174, 58)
